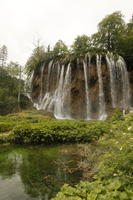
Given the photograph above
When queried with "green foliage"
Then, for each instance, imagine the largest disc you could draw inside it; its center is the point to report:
(8, 123)
(36, 60)
(110, 31)
(126, 46)
(114, 177)
(60, 49)
(6, 126)
(81, 45)
(40, 56)
(113, 35)
(32, 127)
(13, 69)
(116, 115)
(3, 55)
(8, 92)
(9, 88)
(64, 131)
(113, 189)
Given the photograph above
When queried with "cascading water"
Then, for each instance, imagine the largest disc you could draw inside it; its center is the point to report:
(121, 66)
(88, 113)
(58, 112)
(102, 112)
(47, 97)
(118, 79)
(41, 90)
(112, 74)
(63, 111)
(78, 91)
(67, 92)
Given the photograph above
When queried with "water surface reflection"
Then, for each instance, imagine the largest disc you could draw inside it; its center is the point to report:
(28, 173)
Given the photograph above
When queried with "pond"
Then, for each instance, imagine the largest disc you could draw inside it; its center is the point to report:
(36, 172)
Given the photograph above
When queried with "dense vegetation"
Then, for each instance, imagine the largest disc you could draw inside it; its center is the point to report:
(113, 35)
(114, 177)
(32, 128)
(12, 94)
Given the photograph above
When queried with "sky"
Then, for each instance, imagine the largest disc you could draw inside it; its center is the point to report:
(24, 22)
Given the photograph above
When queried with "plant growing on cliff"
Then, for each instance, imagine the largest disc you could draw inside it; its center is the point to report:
(81, 45)
(113, 35)
(35, 60)
(60, 49)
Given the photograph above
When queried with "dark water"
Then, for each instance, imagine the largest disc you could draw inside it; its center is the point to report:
(28, 173)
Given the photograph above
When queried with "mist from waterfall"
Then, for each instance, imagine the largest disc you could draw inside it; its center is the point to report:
(57, 86)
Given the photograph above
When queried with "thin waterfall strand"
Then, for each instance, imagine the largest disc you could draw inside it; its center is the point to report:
(88, 114)
(102, 113)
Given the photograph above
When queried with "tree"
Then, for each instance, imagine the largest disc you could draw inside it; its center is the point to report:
(13, 69)
(35, 60)
(3, 55)
(8, 92)
(131, 20)
(11, 89)
(126, 45)
(60, 49)
(81, 45)
(130, 26)
(110, 31)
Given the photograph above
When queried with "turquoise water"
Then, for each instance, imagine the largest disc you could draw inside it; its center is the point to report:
(35, 172)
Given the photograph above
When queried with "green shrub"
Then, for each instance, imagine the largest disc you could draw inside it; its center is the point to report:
(113, 189)
(6, 126)
(116, 115)
(114, 177)
(59, 132)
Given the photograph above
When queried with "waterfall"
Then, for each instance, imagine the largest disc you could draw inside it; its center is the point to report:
(49, 73)
(88, 114)
(63, 91)
(121, 67)
(67, 92)
(46, 99)
(54, 94)
(41, 90)
(102, 113)
(28, 86)
(112, 74)
(118, 80)
(58, 103)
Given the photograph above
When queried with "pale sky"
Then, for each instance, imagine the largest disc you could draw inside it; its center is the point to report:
(23, 22)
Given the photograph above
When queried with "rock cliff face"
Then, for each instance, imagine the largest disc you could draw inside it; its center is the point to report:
(85, 88)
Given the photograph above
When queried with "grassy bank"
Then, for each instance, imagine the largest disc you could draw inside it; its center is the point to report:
(10, 122)
(34, 128)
